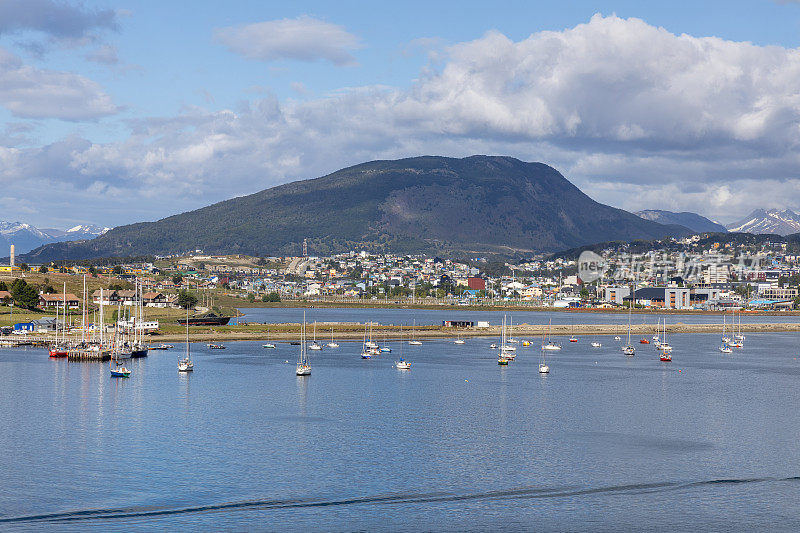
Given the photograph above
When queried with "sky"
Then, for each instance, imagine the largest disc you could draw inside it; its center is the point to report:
(115, 112)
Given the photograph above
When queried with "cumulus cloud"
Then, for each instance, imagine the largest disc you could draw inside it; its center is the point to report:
(635, 115)
(29, 92)
(58, 20)
(303, 39)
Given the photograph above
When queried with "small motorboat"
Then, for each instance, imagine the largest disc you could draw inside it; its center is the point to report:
(596, 344)
(493, 346)
(185, 365)
(332, 345)
(629, 350)
(665, 357)
(573, 339)
(458, 341)
(118, 370)
(402, 364)
(268, 345)
(544, 369)
(644, 341)
(526, 343)
(415, 343)
(551, 346)
(214, 346)
(314, 346)
(617, 338)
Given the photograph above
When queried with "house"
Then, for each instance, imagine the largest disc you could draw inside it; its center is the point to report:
(5, 297)
(109, 297)
(56, 301)
(44, 325)
(127, 297)
(476, 283)
(155, 299)
(21, 327)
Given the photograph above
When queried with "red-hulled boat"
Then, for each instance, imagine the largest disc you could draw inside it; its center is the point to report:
(58, 351)
(644, 341)
(666, 357)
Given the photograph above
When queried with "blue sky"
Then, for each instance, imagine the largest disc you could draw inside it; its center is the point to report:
(118, 112)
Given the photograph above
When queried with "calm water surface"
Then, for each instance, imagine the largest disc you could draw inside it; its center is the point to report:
(604, 442)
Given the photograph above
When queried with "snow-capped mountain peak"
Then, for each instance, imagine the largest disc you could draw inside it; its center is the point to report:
(774, 221)
(26, 237)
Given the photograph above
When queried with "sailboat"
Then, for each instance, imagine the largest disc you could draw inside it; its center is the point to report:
(118, 370)
(303, 368)
(628, 349)
(572, 337)
(385, 348)
(60, 349)
(332, 344)
(511, 339)
(550, 345)
(186, 364)
(369, 343)
(314, 345)
(402, 364)
(368, 348)
(266, 344)
(458, 340)
(413, 341)
(502, 357)
(737, 339)
(138, 347)
(543, 368)
(664, 347)
(725, 339)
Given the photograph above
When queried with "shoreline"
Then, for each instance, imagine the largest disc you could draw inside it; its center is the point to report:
(522, 331)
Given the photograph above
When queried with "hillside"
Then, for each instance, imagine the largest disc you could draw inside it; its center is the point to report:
(693, 221)
(479, 204)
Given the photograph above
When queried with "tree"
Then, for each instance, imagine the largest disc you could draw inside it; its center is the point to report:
(3, 286)
(584, 293)
(24, 267)
(176, 279)
(92, 270)
(251, 297)
(186, 299)
(43, 269)
(117, 270)
(271, 297)
(24, 295)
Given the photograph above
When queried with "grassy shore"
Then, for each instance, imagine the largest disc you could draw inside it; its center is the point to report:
(282, 332)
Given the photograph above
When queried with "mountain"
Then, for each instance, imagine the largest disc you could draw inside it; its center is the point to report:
(693, 221)
(437, 205)
(771, 221)
(25, 237)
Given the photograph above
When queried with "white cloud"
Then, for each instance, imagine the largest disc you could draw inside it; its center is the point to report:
(29, 92)
(105, 54)
(302, 39)
(636, 116)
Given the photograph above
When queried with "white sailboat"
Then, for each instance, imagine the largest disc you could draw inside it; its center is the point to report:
(332, 344)
(629, 349)
(550, 345)
(724, 347)
(402, 364)
(303, 368)
(737, 339)
(502, 357)
(314, 345)
(369, 343)
(725, 339)
(543, 368)
(413, 341)
(186, 364)
(266, 344)
(511, 339)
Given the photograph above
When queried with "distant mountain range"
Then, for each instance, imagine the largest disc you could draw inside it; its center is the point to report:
(436, 205)
(772, 221)
(25, 237)
(693, 221)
